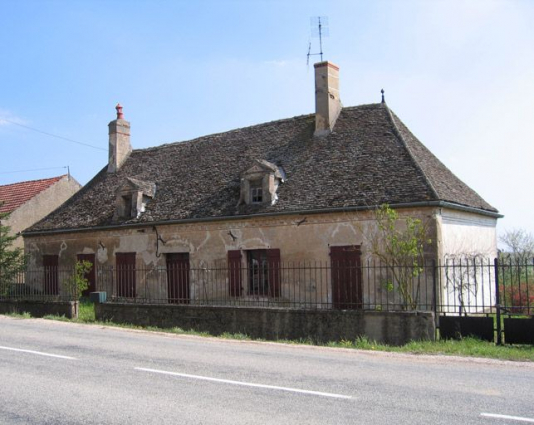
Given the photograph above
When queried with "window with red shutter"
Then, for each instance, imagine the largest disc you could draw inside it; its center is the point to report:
(263, 272)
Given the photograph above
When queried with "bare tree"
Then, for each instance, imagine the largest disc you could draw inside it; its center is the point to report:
(463, 277)
(519, 244)
(516, 271)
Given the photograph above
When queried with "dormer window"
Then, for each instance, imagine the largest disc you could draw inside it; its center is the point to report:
(126, 207)
(131, 199)
(256, 192)
(259, 183)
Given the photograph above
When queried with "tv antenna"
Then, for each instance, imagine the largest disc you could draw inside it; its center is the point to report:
(319, 28)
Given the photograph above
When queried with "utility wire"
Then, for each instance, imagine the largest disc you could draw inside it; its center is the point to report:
(52, 135)
(35, 169)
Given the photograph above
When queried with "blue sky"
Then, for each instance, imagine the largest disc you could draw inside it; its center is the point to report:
(460, 74)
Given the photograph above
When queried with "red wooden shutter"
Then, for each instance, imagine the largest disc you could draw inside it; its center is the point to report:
(51, 275)
(273, 261)
(346, 277)
(337, 257)
(235, 273)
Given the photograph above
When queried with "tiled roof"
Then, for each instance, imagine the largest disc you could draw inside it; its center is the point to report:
(370, 158)
(14, 195)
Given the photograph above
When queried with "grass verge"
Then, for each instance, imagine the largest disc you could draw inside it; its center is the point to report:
(23, 315)
(467, 347)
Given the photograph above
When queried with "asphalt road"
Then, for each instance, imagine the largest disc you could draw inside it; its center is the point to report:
(64, 373)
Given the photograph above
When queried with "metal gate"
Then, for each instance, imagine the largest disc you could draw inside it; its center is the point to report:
(489, 300)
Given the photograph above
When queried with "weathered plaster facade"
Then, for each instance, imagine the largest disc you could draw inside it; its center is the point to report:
(463, 233)
(209, 241)
(301, 239)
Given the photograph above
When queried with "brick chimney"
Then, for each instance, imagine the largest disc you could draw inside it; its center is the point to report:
(119, 141)
(327, 102)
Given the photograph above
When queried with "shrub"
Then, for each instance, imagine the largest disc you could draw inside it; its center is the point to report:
(518, 297)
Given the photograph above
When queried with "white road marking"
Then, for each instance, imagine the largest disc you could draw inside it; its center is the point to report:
(40, 353)
(246, 384)
(512, 418)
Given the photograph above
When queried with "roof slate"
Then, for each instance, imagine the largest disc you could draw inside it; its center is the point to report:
(14, 195)
(369, 159)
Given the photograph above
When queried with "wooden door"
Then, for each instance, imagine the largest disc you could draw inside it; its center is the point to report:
(178, 278)
(90, 275)
(51, 275)
(346, 277)
(126, 281)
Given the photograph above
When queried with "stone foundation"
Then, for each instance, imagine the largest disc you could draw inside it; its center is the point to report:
(40, 308)
(393, 328)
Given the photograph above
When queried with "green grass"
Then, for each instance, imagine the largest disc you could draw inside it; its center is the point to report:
(23, 315)
(467, 347)
(86, 312)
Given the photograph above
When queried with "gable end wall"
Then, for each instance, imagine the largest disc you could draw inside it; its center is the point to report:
(41, 205)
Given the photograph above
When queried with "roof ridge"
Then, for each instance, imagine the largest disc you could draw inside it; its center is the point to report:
(259, 125)
(33, 181)
(410, 153)
(219, 133)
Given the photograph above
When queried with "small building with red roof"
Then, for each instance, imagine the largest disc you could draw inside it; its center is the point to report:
(29, 201)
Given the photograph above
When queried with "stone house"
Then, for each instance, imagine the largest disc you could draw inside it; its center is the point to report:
(282, 192)
(29, 201)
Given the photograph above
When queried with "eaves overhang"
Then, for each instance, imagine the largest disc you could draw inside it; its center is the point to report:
(437, 204)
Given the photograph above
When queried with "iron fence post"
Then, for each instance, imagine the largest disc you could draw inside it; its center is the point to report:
(497, 301)
(434, 298)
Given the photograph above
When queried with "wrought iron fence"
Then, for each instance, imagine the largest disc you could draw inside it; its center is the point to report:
(466, 286)
(304, 285)
(486, 286)
(454, 287)
(516, 286)
(40, 284)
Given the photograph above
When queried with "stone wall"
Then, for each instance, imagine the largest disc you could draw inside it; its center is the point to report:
(393, 328)
(39, 309)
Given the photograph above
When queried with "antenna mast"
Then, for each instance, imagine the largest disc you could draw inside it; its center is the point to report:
(319, 28)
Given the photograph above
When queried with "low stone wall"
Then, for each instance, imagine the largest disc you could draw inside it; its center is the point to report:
(41, 308)
(394, 328)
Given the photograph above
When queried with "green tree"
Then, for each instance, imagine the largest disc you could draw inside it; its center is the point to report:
(77, 282)
(12, 260)
(399, 244)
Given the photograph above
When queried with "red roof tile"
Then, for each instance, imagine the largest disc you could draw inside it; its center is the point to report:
(14, 195)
